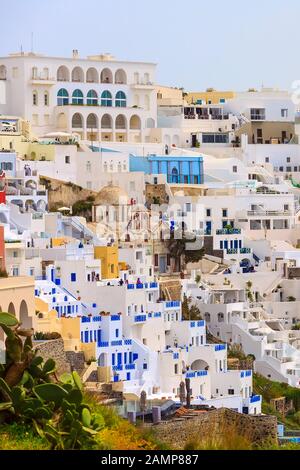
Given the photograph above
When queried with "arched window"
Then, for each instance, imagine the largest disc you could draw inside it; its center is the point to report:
(77, 121)
(92, 121)
(135, 122)
(120, 77)
(34, 73)
(106, 76)
(77, 75)
(46, 73)
(106, 122)
(174, 175)
(92, 75)
(34, 98)
(62, 97)
(77, 97)
(92, 98)
(63, 74)
(120, 122)
(46, 98)
(120, 100)
(106, 98)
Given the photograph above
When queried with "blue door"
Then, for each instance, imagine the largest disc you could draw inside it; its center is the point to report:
(119, 359)
(208, 228)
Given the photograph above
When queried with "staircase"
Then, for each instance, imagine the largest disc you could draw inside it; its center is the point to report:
(171, 288)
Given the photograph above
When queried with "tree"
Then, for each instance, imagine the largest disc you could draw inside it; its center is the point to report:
(190, 311)
(179, 246)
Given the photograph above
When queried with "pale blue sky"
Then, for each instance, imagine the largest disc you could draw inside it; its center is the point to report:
(230, 44)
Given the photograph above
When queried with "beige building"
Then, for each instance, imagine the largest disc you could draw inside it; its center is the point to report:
(17, 297)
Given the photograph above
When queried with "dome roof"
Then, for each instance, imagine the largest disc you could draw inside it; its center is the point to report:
(111, 195)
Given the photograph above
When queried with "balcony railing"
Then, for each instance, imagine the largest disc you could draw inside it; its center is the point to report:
(229, 231)
(269, 213)
(140, 318)
(258, 117)
(173, 304)
(246, 373)
(255, 398)
(198, 373)
(235, 251)
(220, 347)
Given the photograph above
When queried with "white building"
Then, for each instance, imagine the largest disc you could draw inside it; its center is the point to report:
(98, 97)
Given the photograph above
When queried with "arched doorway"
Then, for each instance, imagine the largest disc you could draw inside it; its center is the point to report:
(11, 309)
(24, 318)
(174, 175)
(199, 364)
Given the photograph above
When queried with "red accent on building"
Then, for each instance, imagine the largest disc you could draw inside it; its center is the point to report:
(2, 188)
(2, 248)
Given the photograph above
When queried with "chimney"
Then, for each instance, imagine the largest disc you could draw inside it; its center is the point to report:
(75, 53)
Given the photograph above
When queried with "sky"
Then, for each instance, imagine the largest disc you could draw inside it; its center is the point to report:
(224, 44)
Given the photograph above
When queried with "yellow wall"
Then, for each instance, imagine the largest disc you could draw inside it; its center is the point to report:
(213, 96)
(62, 241)
(109, 256)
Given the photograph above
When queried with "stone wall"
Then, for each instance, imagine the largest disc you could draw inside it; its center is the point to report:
(61, 193)
(156, 191)
(54, 349)
(177, 432)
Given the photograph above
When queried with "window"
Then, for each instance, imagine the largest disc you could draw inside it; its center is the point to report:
(215, 138)
(224, 213)
(230, 391)
(284, 113)
(67, 159)
(222, 100)
(15, 254)
(62, 97)
(145, 367)
(259, 133)
(286, 207)
(208, 212)
(77, 97)
(120, 100)
(73, 277)
(35, 98)
(176, 369)
(88, 166)
(155, 260)
(92, 98)
(106, 98)
(267, 160)
(46, 99)
(234, 169)
(288, 160)
(188, 207)
(117, 333)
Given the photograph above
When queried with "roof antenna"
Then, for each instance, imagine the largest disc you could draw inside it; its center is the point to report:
(31, 41)
(21, 49)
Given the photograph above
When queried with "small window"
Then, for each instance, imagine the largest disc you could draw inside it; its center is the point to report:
(234, 169)
(267, 160)
(224, 212)
(284, 113)
(222, 100)
(73, 277)
(230, 391)
(35, 98)
(176, 369)
(288, 159)
(145, 366)
(67, 159)
(208, 212)
(46, 99)
(117, 333)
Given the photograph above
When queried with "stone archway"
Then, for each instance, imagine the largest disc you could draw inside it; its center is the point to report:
(23, 315)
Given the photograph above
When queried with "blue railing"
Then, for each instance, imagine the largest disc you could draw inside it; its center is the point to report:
(246, 373)
(153, 285)
(130, 366)
(140, 318)
(103, 344)
(140, 286)
(173, 304)
(117, 368)
(245, 250)
(255, 398)
(229, 231)
(115, 317)
(85, 319)
(116, 343)
(130, 286)
(157, 315)
(220, 347)
(176, 356)
(149, 315)
(201, 323)
(198, 373)
(127, 342)
(97, 318)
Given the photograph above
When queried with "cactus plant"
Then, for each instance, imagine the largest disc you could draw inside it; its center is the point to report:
(30, 391)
